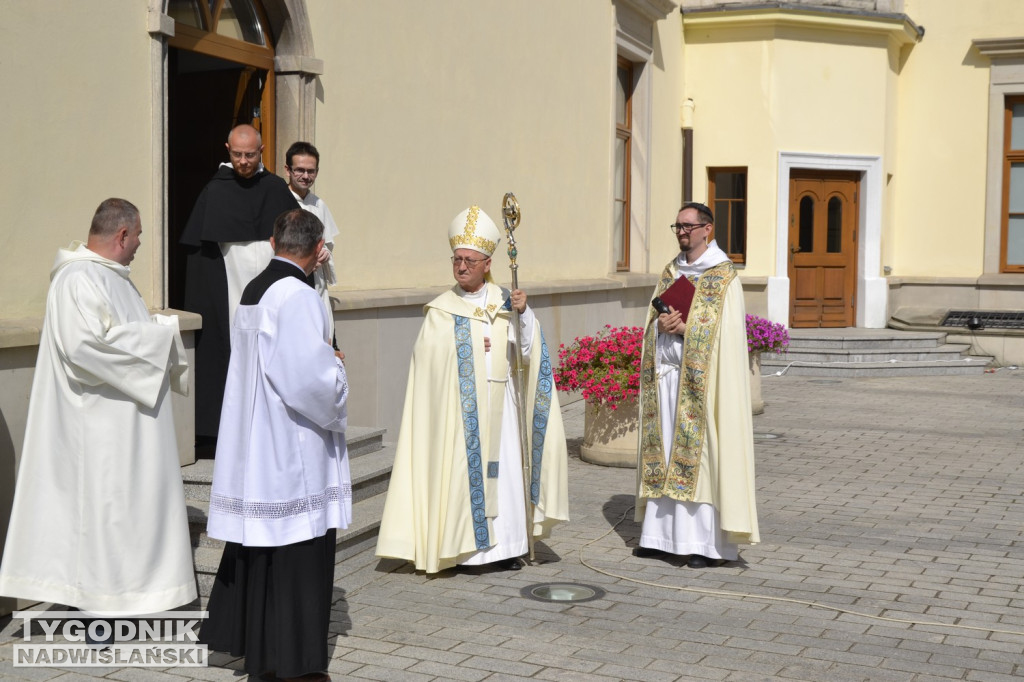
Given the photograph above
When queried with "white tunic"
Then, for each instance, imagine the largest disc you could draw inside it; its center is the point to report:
(99, 517)
(323, 276)
(509, 525)
(281, 473)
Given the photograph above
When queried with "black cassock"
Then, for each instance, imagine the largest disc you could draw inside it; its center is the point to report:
(229, 209)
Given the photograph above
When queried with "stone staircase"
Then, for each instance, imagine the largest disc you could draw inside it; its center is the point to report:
(370, 461)
(872, 353)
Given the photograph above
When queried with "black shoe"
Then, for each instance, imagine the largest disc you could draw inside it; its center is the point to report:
(646, 552)
(697, 561)
(509, 564)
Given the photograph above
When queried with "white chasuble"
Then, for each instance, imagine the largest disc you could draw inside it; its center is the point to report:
(456, 494)
(99, 518)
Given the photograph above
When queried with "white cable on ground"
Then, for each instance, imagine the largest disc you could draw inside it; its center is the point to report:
(743, 595)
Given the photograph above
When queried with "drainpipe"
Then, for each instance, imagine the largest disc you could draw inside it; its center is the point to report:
(687, 126)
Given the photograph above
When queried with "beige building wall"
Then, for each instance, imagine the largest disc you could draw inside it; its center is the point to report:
(943, 141)
(669, 98)
(427, 111)
(765, 87)
(777, 89)
(420, 115)
(77, 129)
(947, 209)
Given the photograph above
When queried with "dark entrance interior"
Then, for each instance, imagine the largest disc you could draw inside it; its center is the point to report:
(207, 96)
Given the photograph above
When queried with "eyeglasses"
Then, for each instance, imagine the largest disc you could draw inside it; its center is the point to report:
(238, 155)
(303, 171)
(685, 227)
(470, 262)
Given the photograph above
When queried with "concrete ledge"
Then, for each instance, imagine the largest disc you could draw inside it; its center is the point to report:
(357, 299)
(994, 280)
(25, 331)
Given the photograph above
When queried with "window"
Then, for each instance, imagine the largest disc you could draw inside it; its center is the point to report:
(1011, 252)
(727, 196)
(623, 142)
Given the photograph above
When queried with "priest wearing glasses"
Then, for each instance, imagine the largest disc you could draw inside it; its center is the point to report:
(456, 495)
(695, 469)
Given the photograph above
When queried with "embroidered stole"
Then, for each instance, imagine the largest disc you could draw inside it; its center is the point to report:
(678, 479)
(483, 438)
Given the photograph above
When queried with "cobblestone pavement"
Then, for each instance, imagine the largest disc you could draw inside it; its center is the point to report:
(892, 527)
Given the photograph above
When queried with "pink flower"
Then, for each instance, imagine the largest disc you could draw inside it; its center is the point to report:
(766, 336)
(604, 368)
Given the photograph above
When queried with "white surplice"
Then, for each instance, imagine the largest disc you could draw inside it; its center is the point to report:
(281, 473)
(99, 517)
(323, 275)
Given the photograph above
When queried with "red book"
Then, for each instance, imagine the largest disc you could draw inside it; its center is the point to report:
(679, 296)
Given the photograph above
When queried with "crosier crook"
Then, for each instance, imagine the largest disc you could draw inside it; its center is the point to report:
(511, 216)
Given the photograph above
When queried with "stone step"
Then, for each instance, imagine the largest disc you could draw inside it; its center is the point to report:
(945, 352)
(872, 353)
(361, 441)
(863, 338)
(966, 365)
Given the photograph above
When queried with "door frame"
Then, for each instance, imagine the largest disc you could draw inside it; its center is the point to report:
(872, 286)
(295, 68)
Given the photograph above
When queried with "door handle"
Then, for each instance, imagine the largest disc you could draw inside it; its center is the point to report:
(794, 249)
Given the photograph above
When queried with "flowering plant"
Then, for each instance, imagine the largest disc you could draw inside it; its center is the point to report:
(605, 368)
(766, 336)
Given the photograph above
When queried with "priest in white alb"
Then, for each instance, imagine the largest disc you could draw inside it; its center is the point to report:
(695, 474)
(456, 494)
(302, 164)
(281, 482)
(99, 519)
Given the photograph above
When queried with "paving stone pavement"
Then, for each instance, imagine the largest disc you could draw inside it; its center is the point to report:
(892, 528)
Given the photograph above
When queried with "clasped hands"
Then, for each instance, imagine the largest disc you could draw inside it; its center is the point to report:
(671, 322)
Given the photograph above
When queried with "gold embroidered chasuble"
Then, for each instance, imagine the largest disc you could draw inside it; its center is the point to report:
(711, 457)
(428, 516)
(678, 479)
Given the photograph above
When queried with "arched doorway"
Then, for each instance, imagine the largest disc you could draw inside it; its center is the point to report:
(220, 73)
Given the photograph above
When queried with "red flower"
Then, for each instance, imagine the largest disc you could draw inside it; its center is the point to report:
(604, 368)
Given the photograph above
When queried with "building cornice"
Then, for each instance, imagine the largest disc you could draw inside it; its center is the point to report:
(652, 10)
(774, 15)
(1000, 48)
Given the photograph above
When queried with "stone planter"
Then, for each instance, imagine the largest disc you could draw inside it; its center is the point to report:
(610, 437)
(756, 402)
